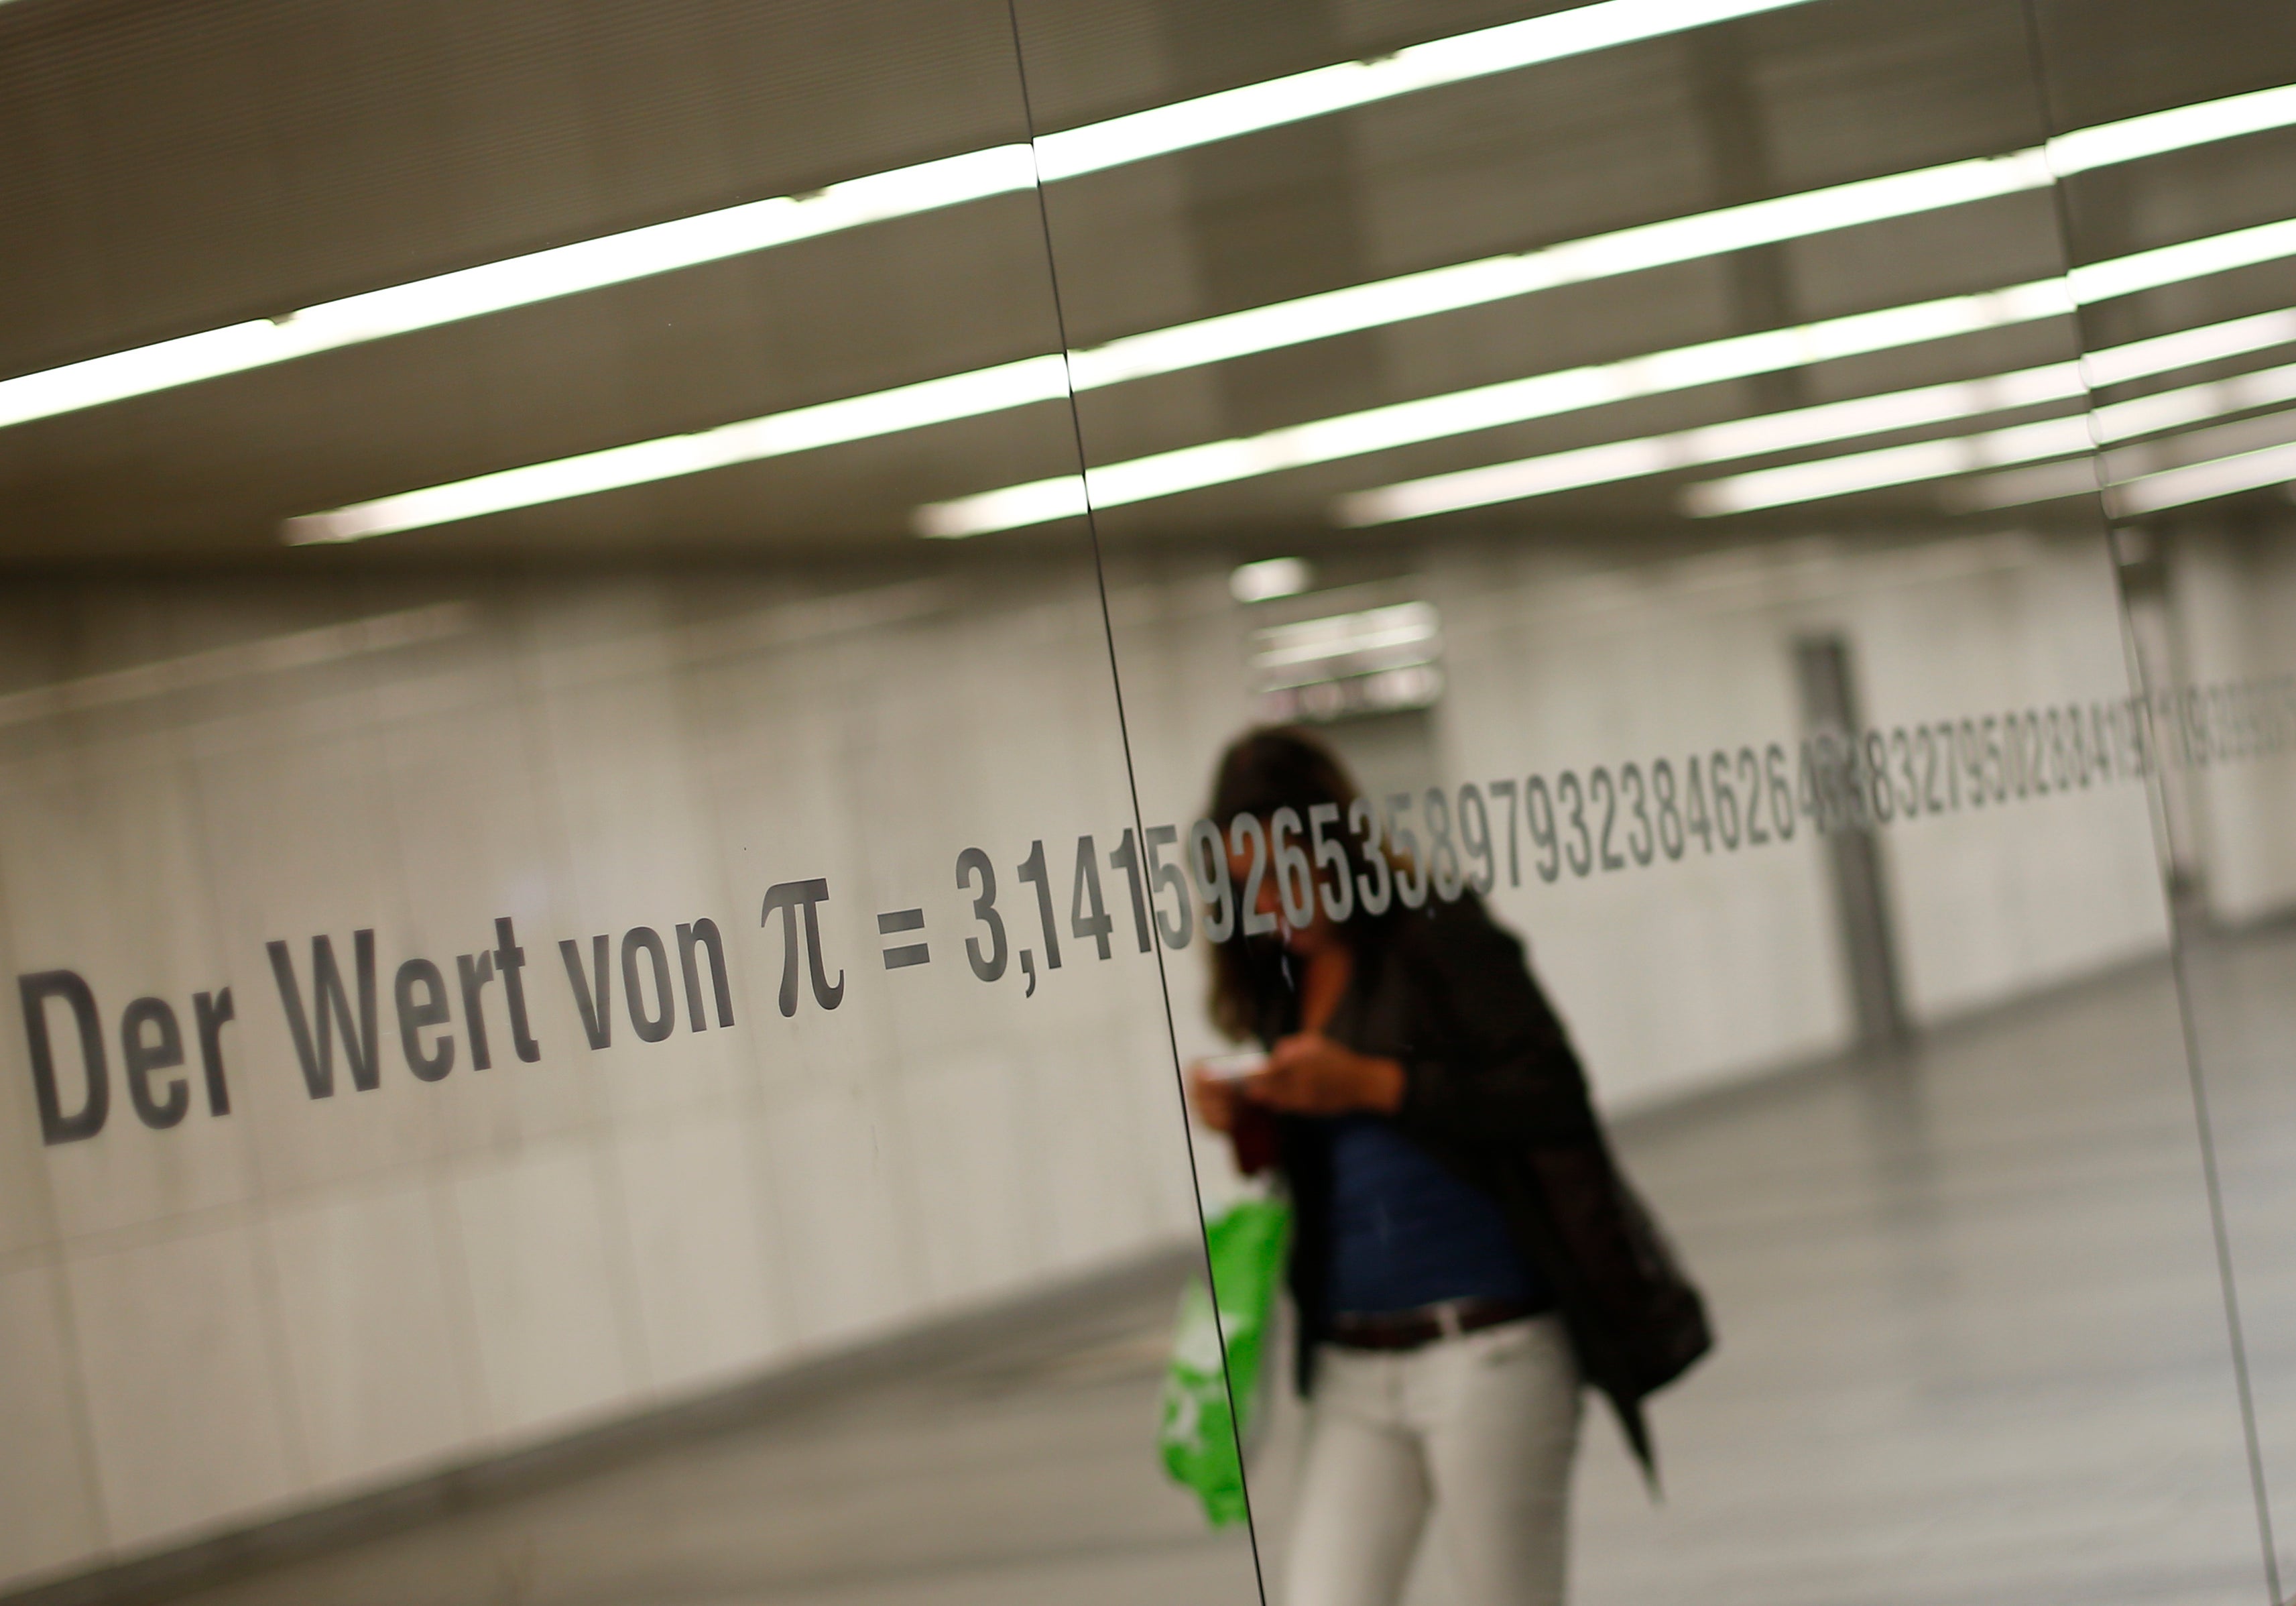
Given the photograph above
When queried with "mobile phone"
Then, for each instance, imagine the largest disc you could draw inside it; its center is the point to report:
(1233, 1068)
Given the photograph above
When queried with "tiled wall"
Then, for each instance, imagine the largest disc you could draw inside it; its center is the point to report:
(1677, 974)
(242, 1314)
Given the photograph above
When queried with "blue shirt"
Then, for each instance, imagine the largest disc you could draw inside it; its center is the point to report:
(1406, 1233)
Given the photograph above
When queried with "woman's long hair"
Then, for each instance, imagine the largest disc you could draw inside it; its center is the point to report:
(1264, 771)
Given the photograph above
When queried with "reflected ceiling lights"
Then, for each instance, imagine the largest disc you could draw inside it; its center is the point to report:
(1889, 465)
(1371, 661)
(1321, 317)
(1754, 437)
(2177, 129)
(2174, 471)
(1856, 471)
(1487, 406)
(515, 282)
(2164, 473)
(904, 192)
(642, 463)
(1544, 395)
(1183, 346)
(1269, 578)
(2199, 482)
(2165, 353)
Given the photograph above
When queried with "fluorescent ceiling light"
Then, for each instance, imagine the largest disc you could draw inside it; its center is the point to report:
(618, 258)
(2124, 463)
(1487, 406)
(2164, 353)
(1321, 91)
(2199, 482)
(1625, 251)
(1753, 436)
(1282, 324)
(1373, 631)
(1040, 379)
(1858, 472)
(927, 187)
(515, 282)
(1270, 578)
(903, 192)
(1515, 401)
(1761, 435)
(2180, 129)
(2123, 421)
(2177, 264)
(1891, 465)
(827, 424)
(2169, 409)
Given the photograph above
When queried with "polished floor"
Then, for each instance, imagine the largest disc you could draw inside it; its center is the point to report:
(1974, 1350)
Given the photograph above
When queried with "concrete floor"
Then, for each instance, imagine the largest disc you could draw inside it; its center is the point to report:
(1972, 1350)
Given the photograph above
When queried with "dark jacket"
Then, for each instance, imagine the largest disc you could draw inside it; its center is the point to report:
(1496, 1093)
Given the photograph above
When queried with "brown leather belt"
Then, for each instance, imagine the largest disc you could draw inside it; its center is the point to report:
(1414, 1329)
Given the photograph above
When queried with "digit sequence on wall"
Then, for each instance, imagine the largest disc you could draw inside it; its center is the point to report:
(1402, 848)
(1399, 852)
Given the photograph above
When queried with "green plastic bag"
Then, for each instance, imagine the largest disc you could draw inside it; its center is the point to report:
(1201, 1435)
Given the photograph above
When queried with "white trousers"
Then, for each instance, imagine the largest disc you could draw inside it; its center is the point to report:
(1478, 1430)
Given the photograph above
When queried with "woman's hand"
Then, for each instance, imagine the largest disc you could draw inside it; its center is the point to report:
(1212, 1097)
(1309, 1074)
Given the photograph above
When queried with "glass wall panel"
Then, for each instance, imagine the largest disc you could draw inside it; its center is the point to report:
(711, 716)
(1617, 436)
(2195, 460)
(579, 1032)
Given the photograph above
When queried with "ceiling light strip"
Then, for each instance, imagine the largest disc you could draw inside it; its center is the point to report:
(1183, 346)
(1487, 406)
(2171, 409)
(1674, 240)
(1041, 379)
(1613, 461)
(2166, 472)
(927, 187)
(1515, 401)
(1321, 91)
(2187, 347)
(1616, 460)
(2180, 129)
(804, 429)
(2178, 264)
(1858, 472)
(1625, 251)
(2200, 482)
(516, 282)
(873, 197)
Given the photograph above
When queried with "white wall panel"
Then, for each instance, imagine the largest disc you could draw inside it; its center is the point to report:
(423, 1273)
(100, 860)
(543, 1248)
(49, 1513)
(183, 1373)
(377, 1325)
(704, 1287)
(2232, 599)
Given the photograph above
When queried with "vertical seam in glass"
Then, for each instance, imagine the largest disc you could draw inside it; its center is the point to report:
(1132, 787)
(2260, 1492)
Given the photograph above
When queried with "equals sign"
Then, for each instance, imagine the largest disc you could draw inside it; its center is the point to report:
(907, 953)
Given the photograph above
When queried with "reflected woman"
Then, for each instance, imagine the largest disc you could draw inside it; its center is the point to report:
(1464, 1253)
